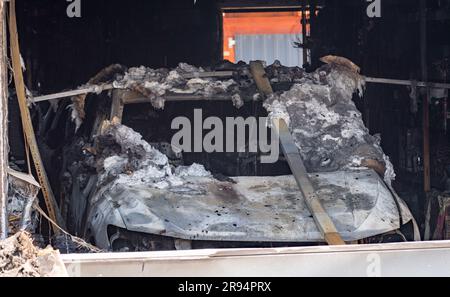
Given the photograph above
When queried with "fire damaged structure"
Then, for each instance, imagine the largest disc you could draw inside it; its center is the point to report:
(124, 182)
(135, 128)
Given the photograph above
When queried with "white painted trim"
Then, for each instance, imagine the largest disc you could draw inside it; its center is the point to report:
(397, 259)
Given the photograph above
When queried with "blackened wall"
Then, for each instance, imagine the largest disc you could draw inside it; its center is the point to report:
(62, 52)
(389, 47)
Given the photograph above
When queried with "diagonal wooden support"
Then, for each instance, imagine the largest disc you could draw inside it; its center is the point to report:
(117, 105)
(30, 136)
(290, 151)
(292, 154)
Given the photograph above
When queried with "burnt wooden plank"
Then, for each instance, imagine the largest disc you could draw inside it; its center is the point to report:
(292, 155)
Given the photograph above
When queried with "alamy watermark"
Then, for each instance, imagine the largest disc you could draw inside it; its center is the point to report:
(374, 9)
(235, 135)
(74, 9)
(374, 265)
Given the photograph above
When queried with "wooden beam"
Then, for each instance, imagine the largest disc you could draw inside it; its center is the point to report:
(52, 206)
(3, 124)
(292, 155)
(426, 98)
(117, 106)
(426, 143)
(260, 77)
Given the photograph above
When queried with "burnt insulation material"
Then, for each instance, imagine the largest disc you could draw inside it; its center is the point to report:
(125, 158)
(156, 83)
(327, 127)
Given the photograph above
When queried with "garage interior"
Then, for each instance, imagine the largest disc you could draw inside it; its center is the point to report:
(403, 54)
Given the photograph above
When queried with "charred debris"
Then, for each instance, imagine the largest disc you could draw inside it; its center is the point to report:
(95, 170)
(88, 148)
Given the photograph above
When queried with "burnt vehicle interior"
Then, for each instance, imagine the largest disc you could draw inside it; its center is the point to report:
(359, 102)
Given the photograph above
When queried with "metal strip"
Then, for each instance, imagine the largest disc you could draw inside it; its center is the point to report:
(95, 89)
(321, 217)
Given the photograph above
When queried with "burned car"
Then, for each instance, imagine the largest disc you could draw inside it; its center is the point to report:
(131, 189)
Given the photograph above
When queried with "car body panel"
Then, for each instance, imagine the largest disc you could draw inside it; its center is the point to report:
(250, 209)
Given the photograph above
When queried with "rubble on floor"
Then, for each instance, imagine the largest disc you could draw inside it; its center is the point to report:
(19, 257)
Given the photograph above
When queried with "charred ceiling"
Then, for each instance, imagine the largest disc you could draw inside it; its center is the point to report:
(158, 33)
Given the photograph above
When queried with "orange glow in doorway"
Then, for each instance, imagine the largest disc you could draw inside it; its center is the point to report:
(242, 23)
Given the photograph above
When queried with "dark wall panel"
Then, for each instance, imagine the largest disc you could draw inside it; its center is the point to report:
(62, 52)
